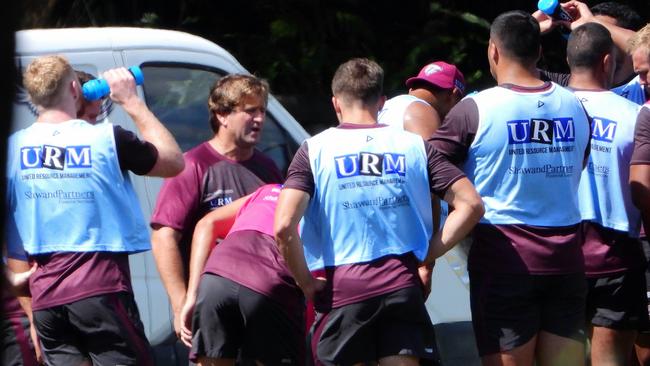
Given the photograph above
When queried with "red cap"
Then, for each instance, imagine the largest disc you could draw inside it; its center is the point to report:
(442, 75)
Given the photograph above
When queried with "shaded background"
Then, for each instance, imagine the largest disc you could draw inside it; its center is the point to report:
(297, 44)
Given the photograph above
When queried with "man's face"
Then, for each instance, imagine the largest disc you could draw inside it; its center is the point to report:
(641, 61)
(90, 111)
(244, 124)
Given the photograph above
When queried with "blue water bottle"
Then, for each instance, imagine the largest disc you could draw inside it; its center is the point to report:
(553, 9)
(98, 88)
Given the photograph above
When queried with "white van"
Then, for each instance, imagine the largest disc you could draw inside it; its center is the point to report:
(179, 69)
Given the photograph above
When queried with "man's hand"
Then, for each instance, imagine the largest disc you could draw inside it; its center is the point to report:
(313, 287)
(425, 272)
(122, 85)
(185, 321)
(19, 279)
(580, 13)
(546, 23)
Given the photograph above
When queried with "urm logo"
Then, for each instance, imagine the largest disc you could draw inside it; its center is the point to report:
(55, 157)
(603, 129)
(371, 164)
(539, 130)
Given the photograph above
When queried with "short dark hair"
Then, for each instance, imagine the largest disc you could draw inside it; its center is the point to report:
(587, 45)
(625, 16)
(358, 79)
(516, 33)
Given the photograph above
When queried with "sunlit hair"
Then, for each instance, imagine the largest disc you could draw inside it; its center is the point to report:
(229, 92)
(45, 79)
(640, 39)
(358, 79)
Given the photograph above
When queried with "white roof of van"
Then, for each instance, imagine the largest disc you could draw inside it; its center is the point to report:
(63, 40)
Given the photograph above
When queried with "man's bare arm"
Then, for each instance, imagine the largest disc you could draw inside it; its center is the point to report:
(467, 211)
(123, 92)
(206, 232)
(166, 252)
(582, 14)
(25, 299)
(421, 119)
(292, 204)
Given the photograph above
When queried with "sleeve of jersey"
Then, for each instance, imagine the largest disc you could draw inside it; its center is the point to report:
(442, 173)
(457, 132)
(178, 199)
(299, 174)
(641, 154)
(134, 154)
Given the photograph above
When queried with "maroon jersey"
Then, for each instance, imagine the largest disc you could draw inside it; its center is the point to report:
(249, 254)
(608, 251)
(641, 154)
(507, 248)
(353, 283)
(208, 181)
(62, 278)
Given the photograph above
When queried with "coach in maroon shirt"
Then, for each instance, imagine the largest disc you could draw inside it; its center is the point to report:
(217, 172)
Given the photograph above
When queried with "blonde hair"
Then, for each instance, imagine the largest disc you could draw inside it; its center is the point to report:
(229, 92)
(640, 39)
(46, 77)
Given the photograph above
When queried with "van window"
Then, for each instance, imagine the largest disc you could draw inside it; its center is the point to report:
(178, 93)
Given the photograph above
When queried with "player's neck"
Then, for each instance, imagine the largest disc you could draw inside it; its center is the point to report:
(55, 116)
(587, 80)
(517, 74)
(358, 116)
(230, 149)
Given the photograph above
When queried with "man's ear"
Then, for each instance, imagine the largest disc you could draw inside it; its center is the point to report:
(609, 63)
(75, 89)
(456, 95)
(493, 52)
(336, 103)
(221, 118)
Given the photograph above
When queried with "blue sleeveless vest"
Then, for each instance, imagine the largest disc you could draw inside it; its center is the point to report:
(66, 191)
(632, 91)
(371, 197)
(527, 156)
(605, 196)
